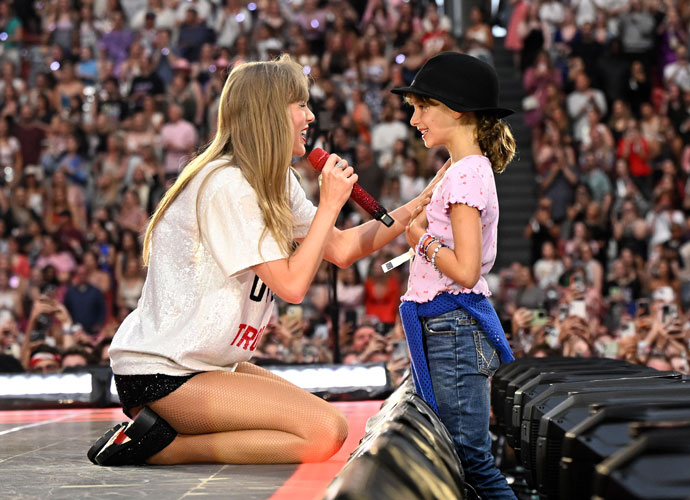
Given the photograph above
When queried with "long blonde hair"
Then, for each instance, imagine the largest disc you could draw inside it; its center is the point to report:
(493, 135)
(255, 130)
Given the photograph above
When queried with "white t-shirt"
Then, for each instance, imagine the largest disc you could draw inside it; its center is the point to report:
(202, 308)
(679, 74)
(552, 14)
(547, 272)
(384, 135)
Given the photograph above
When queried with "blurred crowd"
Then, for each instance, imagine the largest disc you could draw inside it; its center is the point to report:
(102, 102)
(607, 100)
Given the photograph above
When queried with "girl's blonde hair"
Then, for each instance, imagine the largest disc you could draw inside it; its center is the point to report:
(495, 140)
(493, 135)
(255, 130)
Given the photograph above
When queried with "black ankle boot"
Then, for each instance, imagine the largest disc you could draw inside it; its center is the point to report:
(131, 443)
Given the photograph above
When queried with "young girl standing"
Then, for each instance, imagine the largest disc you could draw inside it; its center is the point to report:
(454, 334)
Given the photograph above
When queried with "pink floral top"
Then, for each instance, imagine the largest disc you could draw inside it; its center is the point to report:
(469, 181)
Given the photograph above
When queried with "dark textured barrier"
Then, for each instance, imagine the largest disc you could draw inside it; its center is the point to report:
(406, 453)
(509, 377)
(534, 377)
(656, 466)
(575, 409)
(537, 408)
(552, 409)
(604, 434)
(542, 382)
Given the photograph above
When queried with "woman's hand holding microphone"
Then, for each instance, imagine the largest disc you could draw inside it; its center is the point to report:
(337, 180)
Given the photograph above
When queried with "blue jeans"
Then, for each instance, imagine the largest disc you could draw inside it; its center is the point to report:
(461, 360)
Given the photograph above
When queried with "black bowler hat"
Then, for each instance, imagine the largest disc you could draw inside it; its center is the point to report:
(461, 82)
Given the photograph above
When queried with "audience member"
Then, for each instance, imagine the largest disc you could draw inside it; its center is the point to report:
(178, 138)
(74, 358)
(85, 303)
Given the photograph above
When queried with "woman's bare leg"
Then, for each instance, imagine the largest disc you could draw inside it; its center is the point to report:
(245, 418)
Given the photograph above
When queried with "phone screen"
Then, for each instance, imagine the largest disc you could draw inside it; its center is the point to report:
(669, 312)
(37, 335)
(610, 349)
(627, 329)
(539, 317)
(351, 317)
(399, 350)
(578, 308)
(294, 313)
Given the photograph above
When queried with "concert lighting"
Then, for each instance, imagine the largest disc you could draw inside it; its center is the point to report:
(334, 378)
(97, 386)
(44, 385)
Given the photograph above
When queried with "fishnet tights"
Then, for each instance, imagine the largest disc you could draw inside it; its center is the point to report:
(248, 417)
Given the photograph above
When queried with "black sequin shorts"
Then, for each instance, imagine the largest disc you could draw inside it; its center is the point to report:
(139, 390)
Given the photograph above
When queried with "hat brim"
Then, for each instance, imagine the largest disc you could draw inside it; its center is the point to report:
(497, 112)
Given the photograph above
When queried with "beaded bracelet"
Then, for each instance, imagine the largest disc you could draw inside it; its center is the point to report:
(425, 250)
(424, 242)
(422, 238)
(433, 259)
(426, 247)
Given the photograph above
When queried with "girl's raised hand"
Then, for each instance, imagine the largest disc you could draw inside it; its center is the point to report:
(421, 207)
(418, 221)
(416, 228)
(429, 189)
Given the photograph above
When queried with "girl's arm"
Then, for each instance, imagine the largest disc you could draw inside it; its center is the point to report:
(346, 247)
(463, 263)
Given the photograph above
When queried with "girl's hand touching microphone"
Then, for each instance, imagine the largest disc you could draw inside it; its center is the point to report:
(337, 180)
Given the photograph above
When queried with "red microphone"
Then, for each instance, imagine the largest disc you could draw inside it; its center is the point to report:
(318, 158)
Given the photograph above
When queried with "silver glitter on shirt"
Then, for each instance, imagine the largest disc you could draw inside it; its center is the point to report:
(200, 291)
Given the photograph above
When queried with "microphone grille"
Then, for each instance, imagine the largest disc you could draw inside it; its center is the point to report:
(318, 158)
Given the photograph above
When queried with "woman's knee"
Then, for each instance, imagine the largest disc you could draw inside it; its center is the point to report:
(340, 429)
(325, 439)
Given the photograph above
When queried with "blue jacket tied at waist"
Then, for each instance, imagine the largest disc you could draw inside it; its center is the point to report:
(478, 306)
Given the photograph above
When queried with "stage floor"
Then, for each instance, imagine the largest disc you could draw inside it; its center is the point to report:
(43, 455)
